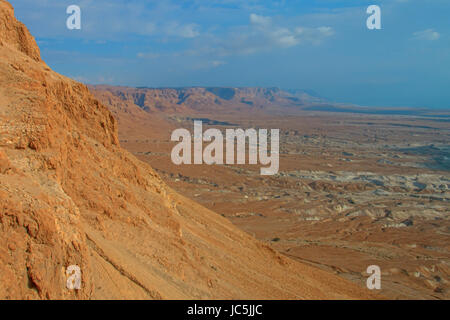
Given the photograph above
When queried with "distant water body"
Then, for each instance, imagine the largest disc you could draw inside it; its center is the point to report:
(439, 157)
(400, 112)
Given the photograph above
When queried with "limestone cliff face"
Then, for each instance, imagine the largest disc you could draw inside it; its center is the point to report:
(69, 195)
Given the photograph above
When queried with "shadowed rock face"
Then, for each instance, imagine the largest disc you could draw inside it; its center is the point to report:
(223, 93)
(70, 195)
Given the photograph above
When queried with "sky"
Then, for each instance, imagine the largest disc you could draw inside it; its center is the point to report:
(319, 45)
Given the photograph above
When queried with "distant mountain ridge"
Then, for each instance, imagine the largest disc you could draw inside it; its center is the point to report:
(206, 99)
(225, 100)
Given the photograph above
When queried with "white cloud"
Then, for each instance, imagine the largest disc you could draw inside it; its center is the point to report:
(208, 64)
(428, 34)
(148, 55)
(260, 20)
(184, 31)
(263, 34)
(260, 35)
(93, 80)
(217, 63)
(326, 31)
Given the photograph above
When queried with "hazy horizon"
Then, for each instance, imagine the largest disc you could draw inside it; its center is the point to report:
(322, 45)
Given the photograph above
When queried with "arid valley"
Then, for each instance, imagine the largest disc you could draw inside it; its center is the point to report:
(354, 188)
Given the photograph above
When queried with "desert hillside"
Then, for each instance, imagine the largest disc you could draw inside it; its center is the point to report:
(70, 195)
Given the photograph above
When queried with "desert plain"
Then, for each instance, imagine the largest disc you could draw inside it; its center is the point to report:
(356, 186)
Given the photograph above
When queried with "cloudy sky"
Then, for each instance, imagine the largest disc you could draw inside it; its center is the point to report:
(320, 45)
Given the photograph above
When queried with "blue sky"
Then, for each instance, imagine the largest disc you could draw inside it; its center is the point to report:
(321, 45)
